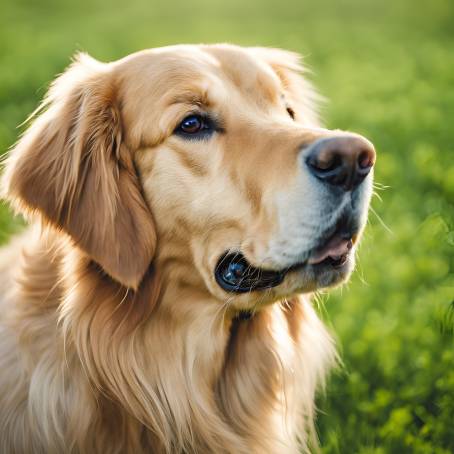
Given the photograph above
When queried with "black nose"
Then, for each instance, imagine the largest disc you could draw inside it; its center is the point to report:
(342, 161)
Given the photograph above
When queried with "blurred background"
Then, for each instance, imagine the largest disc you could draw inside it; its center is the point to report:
(387, 70)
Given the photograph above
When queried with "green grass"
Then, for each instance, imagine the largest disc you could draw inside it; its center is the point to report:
(388, 70)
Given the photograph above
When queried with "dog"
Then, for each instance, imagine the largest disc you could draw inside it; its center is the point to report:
(184, 203)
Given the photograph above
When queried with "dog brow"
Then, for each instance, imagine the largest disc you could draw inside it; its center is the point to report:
(191, 98)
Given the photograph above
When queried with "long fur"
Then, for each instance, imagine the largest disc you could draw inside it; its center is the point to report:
(102, 349)
(83, 373)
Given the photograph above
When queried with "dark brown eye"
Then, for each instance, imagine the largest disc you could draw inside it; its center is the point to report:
(291, 112)
(196, 127)
(192, 124)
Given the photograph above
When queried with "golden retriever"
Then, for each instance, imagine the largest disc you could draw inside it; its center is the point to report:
(185, 203)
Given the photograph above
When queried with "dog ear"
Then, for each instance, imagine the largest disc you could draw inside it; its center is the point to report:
(73, 167)
(301, 96)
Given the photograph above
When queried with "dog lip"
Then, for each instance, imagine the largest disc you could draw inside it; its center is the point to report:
(234, 273)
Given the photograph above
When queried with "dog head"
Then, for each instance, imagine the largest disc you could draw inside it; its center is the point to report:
(205, 160)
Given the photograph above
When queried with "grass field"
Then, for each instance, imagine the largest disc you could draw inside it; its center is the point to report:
(387, 68)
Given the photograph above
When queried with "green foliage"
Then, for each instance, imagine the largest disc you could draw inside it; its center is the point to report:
(388, 69)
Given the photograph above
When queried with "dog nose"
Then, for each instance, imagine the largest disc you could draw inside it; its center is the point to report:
(342, 161)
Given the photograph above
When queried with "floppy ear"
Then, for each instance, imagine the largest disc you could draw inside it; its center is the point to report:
(73, 167)
(302, 97)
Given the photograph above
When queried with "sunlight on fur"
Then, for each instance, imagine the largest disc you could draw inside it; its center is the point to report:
(116, 333)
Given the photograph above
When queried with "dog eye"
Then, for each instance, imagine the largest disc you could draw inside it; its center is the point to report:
(194, 125)
(291, 112)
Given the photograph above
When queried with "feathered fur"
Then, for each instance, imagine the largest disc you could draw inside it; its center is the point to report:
(112, 339)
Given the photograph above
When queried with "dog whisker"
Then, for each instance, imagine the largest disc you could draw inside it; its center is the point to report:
(381, 221)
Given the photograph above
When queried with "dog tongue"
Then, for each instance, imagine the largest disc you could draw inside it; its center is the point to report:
(335, 247)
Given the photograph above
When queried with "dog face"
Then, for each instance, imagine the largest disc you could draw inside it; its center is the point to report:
(214, 151)
(224, 167)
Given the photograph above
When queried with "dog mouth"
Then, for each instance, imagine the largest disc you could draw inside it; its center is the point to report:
(334, 252)
(235, 274)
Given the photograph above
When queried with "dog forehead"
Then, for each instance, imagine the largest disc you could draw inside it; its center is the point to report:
(159, 70)
(249, 73)
(216, 76)
(227, 68)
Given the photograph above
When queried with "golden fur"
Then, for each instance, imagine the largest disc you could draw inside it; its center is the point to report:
(114, 336)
